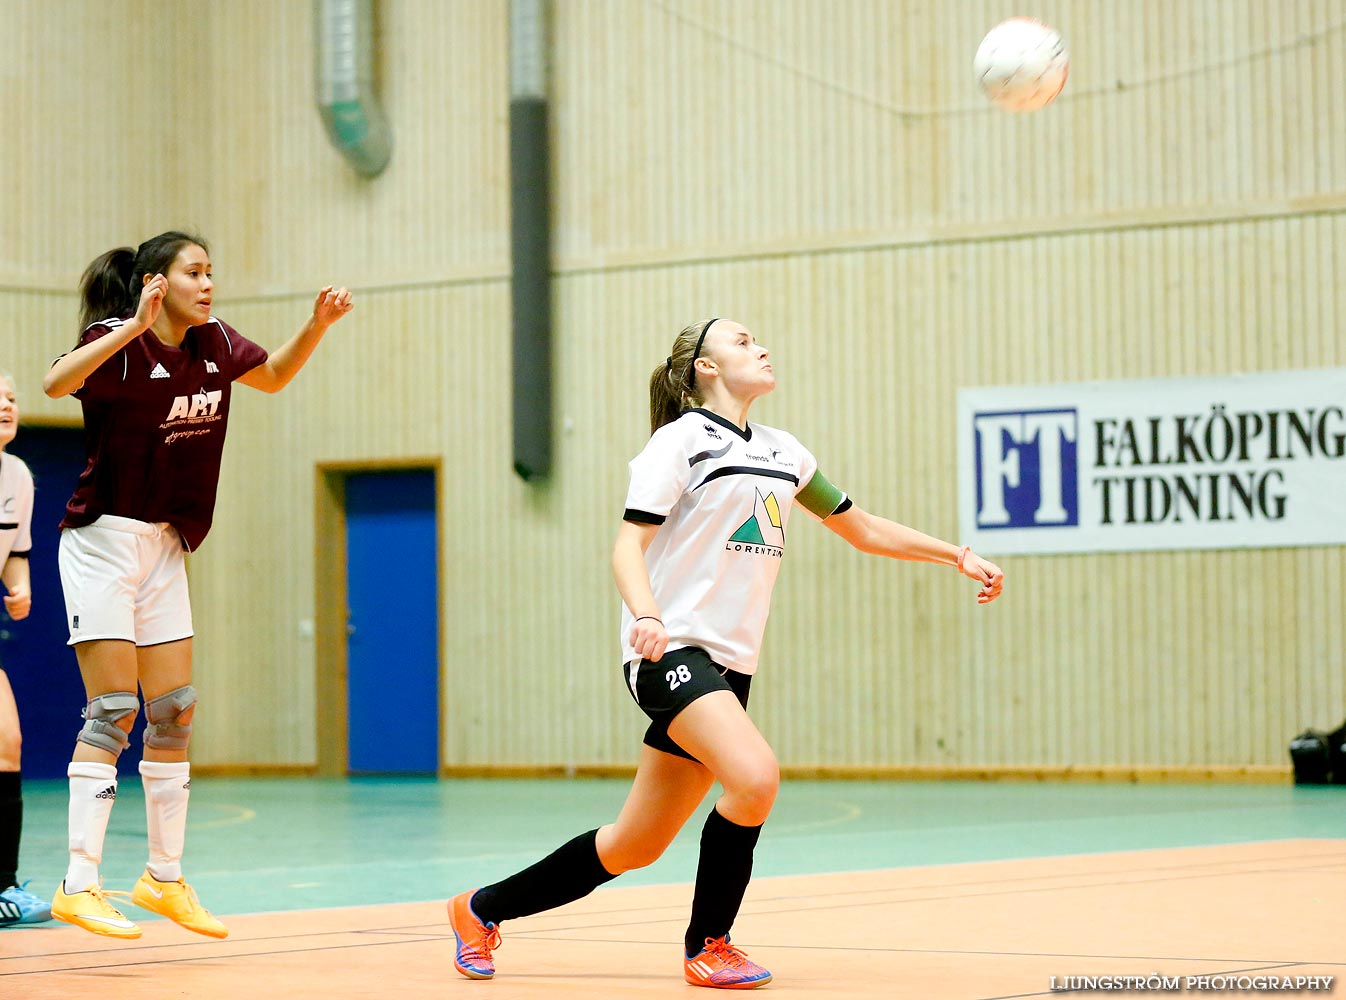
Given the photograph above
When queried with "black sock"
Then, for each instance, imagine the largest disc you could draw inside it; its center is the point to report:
(721, 879)
(570, 872)
(11, 825)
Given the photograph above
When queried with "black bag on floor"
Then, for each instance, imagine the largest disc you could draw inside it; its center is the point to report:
(1336, 755)
(1312, 758)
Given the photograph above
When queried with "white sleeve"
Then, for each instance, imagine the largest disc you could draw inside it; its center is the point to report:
(819, 498)
(808, 465)
(24, 541)
(659, 476)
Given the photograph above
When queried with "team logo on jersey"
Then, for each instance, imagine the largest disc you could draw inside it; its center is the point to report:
(212, 368)
(190, 416)
(763, 533)
(202, 405)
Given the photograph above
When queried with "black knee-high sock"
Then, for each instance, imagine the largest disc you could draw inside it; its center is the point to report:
(721, 879)
(569, 873)
(11, 825)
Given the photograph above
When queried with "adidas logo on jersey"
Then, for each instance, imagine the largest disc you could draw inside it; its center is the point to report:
(160, 372)
(110, 792)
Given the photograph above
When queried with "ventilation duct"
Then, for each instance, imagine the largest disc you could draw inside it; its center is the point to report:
(344, 67)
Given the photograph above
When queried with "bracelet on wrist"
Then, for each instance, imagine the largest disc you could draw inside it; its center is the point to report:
(962, 555)
(651, 618)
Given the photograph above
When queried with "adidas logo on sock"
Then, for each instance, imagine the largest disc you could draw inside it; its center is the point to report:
(110, 792)
(160, 372)
(187, 787)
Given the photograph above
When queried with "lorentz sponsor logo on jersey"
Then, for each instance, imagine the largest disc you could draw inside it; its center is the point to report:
(762, 534)
(190, 415)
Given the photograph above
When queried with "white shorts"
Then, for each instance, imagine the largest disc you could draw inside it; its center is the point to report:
(125, 579)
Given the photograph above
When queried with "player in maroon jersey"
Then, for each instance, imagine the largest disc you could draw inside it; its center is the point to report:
(153, 371)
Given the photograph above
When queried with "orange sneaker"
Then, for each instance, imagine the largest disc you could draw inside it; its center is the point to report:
(177, 901)
(722, 966)
(476, 940)
(90, 909)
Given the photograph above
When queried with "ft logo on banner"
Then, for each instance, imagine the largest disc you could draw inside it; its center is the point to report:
(1026, 468)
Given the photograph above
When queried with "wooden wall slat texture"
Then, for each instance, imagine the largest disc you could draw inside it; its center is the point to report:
(824, 172)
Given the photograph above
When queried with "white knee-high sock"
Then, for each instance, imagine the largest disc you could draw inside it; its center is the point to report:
(167, 788)
(93, 790)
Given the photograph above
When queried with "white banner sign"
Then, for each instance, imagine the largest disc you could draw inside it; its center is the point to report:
(1236, 461)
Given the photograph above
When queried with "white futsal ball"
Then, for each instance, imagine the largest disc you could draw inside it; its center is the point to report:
(1022, 64)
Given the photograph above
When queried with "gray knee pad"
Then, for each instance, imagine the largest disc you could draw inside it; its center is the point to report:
(163, 730)
(101, 716)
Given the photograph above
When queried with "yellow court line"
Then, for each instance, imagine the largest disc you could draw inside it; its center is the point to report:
(244, 815)
(849, 813)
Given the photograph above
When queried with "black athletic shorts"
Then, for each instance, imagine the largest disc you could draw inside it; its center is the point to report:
(664, 689)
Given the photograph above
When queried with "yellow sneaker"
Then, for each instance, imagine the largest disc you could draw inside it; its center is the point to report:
(90, 909)
(177, 901)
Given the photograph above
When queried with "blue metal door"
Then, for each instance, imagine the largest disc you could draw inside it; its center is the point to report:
(392, 647)
(41, 667)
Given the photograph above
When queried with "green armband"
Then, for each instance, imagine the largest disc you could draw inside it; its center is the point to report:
(819, 497)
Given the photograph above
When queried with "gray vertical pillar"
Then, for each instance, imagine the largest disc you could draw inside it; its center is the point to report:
(530, 240)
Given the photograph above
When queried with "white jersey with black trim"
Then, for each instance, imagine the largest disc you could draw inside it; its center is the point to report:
(722, 499)
(16, 507)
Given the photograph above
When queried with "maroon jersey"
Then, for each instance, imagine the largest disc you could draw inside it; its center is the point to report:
(154, 423)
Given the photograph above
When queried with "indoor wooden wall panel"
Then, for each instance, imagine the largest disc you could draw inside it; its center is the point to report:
(296, 215)
(253, 171)
(799, 183)
(36, 326)
(88, 162)
(381, 388)
(745, 128)
(1139, 659)
(88, 159)
(1142, 659)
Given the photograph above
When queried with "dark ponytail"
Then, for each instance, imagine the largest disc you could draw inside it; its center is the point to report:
(104, 288)
(111, 284)
(673, 384)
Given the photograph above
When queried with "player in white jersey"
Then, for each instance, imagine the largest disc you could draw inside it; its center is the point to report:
(17, 904)
(695, 559)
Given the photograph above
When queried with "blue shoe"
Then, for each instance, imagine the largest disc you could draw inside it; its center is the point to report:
(22, 906)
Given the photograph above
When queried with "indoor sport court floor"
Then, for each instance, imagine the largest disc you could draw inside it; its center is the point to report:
(964, 891)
